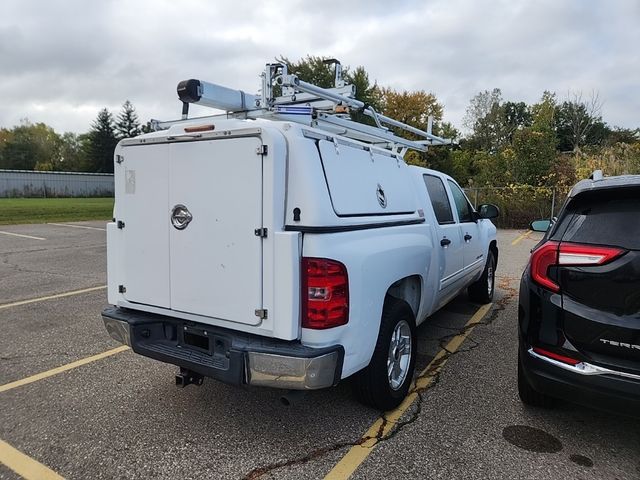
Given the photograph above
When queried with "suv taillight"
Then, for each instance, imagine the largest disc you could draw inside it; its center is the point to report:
(325, 293)
(552, 253)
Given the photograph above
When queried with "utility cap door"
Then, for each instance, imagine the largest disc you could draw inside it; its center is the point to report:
(216, 256)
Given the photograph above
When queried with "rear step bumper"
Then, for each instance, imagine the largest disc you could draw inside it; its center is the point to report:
(226, 355)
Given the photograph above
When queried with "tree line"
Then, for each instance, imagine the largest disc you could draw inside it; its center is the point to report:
(30, 146)
(550, 143)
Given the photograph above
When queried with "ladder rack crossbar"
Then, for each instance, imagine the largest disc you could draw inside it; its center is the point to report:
(307, 104)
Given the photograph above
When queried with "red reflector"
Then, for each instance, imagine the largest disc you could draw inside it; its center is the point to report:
(541, 259)
(556, 356)
(325, 293)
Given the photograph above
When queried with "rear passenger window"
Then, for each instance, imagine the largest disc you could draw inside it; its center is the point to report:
(439, 199)
(462, 204)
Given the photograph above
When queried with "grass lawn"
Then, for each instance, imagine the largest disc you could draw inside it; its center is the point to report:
(42, 210)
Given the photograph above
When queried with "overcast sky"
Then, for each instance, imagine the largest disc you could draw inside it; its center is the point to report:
(61, 61)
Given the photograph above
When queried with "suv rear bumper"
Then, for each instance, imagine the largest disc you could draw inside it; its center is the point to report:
(226, 355)
(608, 391)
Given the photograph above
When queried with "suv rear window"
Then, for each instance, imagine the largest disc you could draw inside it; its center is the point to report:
(605, 218)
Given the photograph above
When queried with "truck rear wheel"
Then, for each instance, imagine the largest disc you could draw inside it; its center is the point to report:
(384, 383)
(482, 290)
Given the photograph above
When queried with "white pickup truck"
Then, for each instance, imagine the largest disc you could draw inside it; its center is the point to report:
(269, 252)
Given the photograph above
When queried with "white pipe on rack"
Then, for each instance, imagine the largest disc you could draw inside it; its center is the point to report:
(294, 81)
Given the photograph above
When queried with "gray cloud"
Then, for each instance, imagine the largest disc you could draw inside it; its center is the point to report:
(61, 61)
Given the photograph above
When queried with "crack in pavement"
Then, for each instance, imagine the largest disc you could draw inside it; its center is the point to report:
(432, 374)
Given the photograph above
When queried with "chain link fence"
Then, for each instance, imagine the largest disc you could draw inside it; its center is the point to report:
(519, 204)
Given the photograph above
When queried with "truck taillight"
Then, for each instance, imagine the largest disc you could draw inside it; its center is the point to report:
(551, 254)
(325, 293)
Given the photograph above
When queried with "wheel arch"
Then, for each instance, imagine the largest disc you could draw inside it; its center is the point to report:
(408, 289)
(493, 248)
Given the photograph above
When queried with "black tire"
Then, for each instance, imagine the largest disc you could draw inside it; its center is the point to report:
(482, 290)
(372, 384)
(527, 394)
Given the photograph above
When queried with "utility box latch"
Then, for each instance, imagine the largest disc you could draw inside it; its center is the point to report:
(262, 150)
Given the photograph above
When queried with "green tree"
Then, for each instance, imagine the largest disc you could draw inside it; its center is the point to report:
(534, 148)
(494, 122)
(101, 142)
(73, 153)
(578, 122)
(516, 116)
(616, 135)
(366, 92)
(127, 124)
(320, 72)
(312, 69)
(484, 117)
(6, 136)
(30, 147)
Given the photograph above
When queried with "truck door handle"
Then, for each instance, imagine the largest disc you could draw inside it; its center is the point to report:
(445, 241)
(467, 237)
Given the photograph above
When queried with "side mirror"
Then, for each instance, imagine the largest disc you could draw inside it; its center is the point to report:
(488, 210)
(540, 225)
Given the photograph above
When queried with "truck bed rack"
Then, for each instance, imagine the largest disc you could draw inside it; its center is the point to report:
(285, 97)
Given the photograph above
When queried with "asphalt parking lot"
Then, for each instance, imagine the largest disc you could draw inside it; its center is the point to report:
(113, 414)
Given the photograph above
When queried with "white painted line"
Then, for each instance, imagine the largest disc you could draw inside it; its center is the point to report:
(77, 226)
(23, 236)
(52, 297)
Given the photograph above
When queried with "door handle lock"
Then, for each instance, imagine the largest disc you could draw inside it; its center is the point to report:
(445, 242)
(467, 237)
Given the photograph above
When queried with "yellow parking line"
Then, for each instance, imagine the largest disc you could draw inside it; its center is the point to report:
(22, 236)
(522, 237)
(381, 427)
(52, 297)
(24, 465)
(62, 369)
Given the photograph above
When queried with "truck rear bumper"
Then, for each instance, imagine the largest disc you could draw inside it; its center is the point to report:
(226, 355)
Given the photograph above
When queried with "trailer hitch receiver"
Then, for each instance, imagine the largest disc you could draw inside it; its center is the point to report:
(188, 377)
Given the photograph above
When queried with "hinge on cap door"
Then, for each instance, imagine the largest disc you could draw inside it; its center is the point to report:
(122, 289)
(120, 224)
(261, 313)
(119, 159)
(260, 232)
(262, 150)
